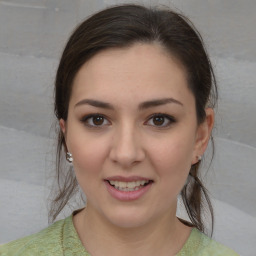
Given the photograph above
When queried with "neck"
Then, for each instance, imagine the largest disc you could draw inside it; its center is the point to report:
(164, 236)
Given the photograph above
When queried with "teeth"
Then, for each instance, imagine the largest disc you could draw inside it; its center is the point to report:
(128, 186)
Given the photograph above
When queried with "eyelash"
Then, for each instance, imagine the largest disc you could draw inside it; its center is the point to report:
(85, 120)
(170, 120)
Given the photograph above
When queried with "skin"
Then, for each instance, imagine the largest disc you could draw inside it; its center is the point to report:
(129, 142)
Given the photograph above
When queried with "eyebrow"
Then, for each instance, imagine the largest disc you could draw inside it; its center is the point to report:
(95, 103)
(158, 102)
(143, 105)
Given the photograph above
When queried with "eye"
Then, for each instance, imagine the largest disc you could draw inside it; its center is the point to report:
(95, 120)
(161, 120)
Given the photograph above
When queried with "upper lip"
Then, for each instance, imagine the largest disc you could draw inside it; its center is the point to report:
(126, 179)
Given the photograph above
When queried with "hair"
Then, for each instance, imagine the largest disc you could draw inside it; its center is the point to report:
(120, 27)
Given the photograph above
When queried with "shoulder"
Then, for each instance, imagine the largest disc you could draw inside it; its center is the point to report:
(202, 245)
(46, 242)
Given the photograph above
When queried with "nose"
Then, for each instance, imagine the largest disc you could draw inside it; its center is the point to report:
(127, 147)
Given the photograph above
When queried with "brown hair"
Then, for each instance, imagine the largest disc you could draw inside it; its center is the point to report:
(122, 26)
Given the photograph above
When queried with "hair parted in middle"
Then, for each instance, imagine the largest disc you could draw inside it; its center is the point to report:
(119, 27)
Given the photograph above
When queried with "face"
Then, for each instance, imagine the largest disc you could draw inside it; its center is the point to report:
(133, 133)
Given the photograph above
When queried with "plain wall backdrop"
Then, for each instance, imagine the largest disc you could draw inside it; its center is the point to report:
(32, 36)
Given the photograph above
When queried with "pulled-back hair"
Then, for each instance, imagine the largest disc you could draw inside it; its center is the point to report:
(119, 27)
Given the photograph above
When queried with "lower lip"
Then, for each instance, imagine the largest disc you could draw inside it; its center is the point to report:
(127, 195)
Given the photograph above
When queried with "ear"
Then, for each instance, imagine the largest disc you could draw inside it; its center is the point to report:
(203, 135)
(63, 126)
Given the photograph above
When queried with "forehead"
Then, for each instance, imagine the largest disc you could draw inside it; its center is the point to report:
(139, 71)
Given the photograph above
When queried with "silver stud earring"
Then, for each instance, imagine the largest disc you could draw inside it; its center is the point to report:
(199, 158)
(69, 157)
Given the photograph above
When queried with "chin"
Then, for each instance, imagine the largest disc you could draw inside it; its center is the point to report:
(126, 218)
(128, 223)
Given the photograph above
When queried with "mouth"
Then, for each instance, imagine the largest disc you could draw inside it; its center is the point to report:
(129, 186)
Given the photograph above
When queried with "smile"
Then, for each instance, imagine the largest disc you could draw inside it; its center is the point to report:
(128, 186)
(128, 189)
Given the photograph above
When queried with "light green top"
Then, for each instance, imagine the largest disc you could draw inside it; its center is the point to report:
(61, 239)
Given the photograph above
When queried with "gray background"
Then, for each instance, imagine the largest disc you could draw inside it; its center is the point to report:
(32, 36)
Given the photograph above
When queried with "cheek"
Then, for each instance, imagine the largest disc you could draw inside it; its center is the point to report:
(89, 154)
(173, 152)
(172, 160)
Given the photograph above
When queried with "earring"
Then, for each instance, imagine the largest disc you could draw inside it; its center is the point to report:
(69, 157)
(199, 158)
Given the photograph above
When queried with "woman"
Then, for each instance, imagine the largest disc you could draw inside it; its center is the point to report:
(134, 96)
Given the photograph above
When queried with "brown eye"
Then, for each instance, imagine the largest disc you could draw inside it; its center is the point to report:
(158, 120)
(98, 120)
(95, 120)
(161, 120)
